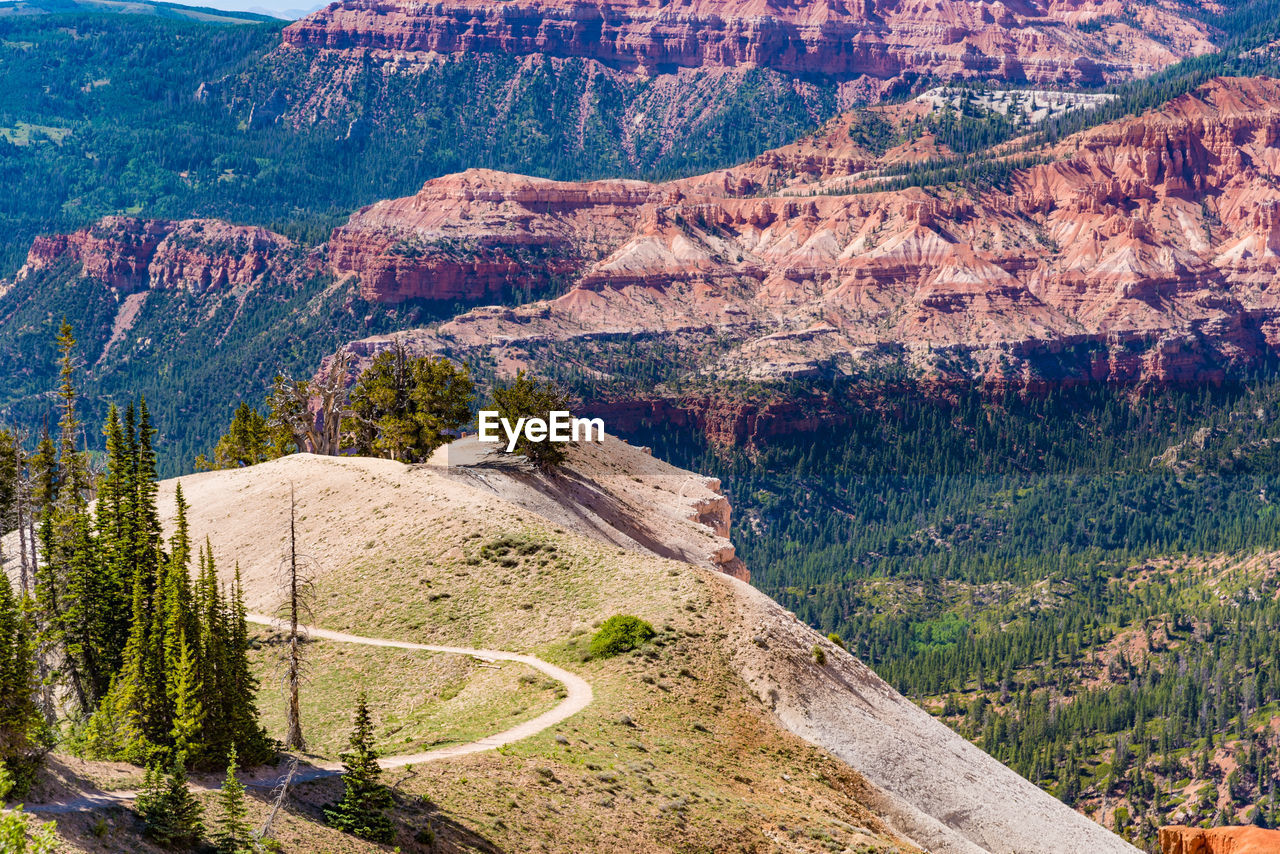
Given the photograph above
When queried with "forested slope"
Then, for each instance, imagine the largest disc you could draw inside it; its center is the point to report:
(1083, 583)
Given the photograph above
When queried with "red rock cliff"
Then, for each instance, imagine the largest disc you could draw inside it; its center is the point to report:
(1219, 840)
(132, 254)
(481, 233)
(877, 38)
(1143, 251)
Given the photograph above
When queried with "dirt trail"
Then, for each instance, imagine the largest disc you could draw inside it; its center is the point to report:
(579, 697)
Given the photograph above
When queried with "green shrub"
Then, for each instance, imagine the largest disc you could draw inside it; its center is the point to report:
(619, 634)
(819, 657)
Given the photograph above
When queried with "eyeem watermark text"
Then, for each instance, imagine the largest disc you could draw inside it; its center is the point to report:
(560, 427)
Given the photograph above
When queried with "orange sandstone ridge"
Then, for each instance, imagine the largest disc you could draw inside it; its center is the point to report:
(878, 39)
(1144, 251)
(1219, 840)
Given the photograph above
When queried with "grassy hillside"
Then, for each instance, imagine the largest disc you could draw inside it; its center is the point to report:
(675, 753)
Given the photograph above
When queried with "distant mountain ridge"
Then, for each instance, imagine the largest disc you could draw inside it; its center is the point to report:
(1138, 252)
(204, 14)
(877, 39)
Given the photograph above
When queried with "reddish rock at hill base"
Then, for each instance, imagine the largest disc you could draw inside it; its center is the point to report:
(1219, 840)
(880, 39)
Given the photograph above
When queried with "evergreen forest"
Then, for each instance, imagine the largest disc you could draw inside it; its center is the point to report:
(1083, 583)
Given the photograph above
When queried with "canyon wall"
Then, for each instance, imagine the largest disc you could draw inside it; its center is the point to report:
(1218, 840)
(880, 39)
(1138, 251)
(132, 254)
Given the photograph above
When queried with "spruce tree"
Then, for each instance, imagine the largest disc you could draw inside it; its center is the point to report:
(72, 605)
(171, 814)
(214, 638)
(241, 685)
(362, 811)
(188, 711)
(175, 621)
(112, 529)
(22, 734)
(233, 830)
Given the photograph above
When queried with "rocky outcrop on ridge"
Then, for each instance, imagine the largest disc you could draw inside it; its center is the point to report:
(878, 39)
(132, 254)
(477, 234)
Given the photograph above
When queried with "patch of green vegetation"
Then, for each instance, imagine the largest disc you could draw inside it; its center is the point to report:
(620, 633)
(420, 700)
(23, 133)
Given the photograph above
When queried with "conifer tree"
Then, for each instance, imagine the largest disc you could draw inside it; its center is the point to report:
(74, 471)
(188, 711)
(171, 814)
(248, 441)
(241, 685)
(211, 615)
(233, 831)
(112, 529)
(362, 811)
(143, 519)
(184, 686)
(175, 620)
(525, 397)
(404, 407)
(22, 733)
(157, 666)
(67, 582)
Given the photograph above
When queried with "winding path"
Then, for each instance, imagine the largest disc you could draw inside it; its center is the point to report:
(579, 697)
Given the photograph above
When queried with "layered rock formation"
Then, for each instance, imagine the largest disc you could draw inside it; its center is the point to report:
(132, 254)
(481, 233)
(1140, 251)
(879, 39)
(1218, 840)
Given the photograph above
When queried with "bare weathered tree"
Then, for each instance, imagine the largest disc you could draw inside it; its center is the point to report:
(299, 594)
(22, 498)
(311, 411)
(277, 800)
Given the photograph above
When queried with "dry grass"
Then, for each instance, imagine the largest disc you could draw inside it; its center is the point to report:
(419, 699)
